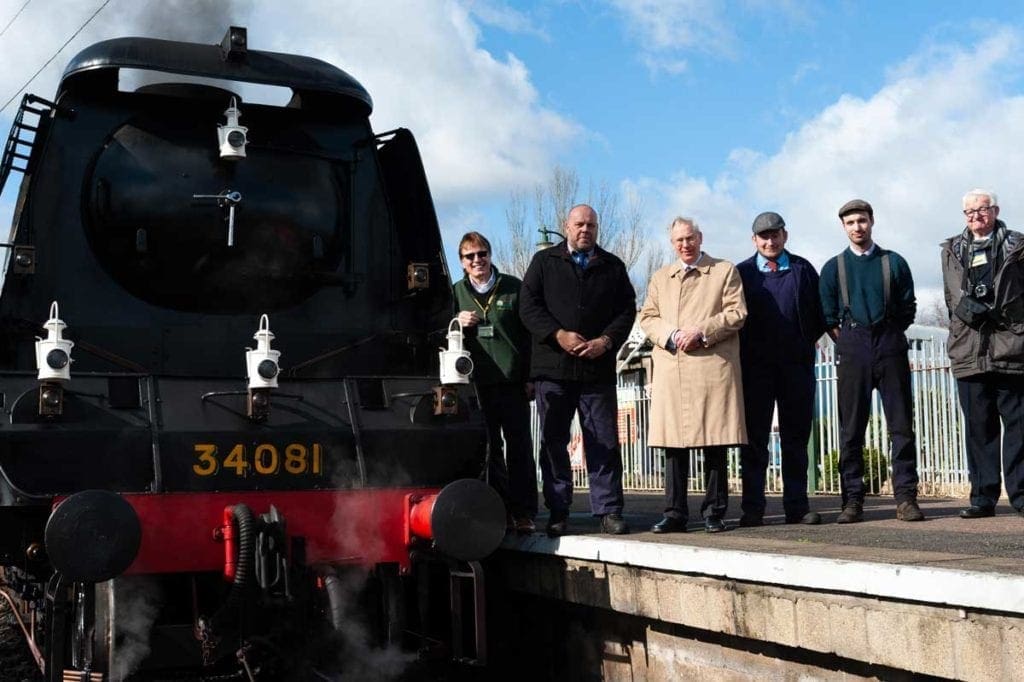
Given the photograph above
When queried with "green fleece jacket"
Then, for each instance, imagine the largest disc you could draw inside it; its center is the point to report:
(505, 356)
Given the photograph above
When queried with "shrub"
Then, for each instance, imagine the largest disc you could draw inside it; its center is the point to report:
(876, 470)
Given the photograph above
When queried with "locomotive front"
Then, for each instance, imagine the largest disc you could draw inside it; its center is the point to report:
(219, 370)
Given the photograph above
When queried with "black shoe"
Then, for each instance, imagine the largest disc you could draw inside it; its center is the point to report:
(853, 512)
(612, 524)
(713, 524)
(669, 524)
(525, 525)
(811, 518)
(558, 525)
(909, 511)
(976, 512)
(751, 521)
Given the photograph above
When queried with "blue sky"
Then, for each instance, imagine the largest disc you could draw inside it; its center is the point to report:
(718, 110)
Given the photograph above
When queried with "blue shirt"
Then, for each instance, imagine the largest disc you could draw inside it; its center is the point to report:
(782, 261)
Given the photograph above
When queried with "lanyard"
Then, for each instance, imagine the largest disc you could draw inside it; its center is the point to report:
(487, 306)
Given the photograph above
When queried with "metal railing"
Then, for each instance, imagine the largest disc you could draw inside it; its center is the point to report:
(938, 425)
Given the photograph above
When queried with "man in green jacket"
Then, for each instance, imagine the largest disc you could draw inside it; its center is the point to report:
(488, 305)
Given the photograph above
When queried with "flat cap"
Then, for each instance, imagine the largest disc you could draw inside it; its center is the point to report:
(768, 220)
(856, 206)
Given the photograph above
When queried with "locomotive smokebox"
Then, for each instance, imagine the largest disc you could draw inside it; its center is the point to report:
(93, 536)
(466, 519)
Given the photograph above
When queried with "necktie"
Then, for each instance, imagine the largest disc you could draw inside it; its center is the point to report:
(581, 258)
(771, 265)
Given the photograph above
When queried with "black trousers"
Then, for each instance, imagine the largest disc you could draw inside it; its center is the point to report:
(984, 399)
(512, 473)
(597, 404)
(792, 387)
(870, 358)
(716, 482)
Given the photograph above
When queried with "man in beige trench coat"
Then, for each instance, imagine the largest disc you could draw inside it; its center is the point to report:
(693, 311)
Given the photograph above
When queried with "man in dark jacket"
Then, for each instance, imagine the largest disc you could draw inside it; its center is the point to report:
(867, 297)
(784, 322)
(488, 305)
(983, 279)
(579, 305)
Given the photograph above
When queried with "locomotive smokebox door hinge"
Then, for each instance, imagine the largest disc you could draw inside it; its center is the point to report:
(418, 275)
(24, 262)
(228, 199)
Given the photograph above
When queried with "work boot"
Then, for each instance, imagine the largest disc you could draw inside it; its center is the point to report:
(613, 524)
(853, 512)
(811, 518)
(558, 524)
(525, 525)
(909, 511)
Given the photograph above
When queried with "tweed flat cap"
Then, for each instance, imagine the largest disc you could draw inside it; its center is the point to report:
(856, 206)
(768, 220)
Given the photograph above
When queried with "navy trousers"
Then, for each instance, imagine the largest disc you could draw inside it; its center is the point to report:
(557, 402)
(512, 472)
(716, 482)
(870, 358)
(792, 387)
(984, 399)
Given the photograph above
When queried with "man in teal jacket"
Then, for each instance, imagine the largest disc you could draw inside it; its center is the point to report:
(488, 305)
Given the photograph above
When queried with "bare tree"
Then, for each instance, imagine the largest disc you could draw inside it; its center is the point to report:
(514, 255)
(934, 314)
(655, 258)
(622, 233)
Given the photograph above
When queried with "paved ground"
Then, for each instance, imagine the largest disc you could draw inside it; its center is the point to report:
(993, 544)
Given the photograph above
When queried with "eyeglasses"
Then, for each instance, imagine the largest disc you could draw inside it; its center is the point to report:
(981, 210)
(473, 255)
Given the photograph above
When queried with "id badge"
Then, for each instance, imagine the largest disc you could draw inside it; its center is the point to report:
(486, 331)
(979, 258)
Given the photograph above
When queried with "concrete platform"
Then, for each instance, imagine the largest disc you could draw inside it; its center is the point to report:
(942, 597)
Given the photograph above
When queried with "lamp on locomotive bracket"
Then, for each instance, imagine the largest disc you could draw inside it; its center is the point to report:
(456, 366)
(262, 365)
(53, 362)
(417, 275)
(234, 46)
(233, 136)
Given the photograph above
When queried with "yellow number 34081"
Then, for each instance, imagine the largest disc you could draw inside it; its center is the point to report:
(264, 459)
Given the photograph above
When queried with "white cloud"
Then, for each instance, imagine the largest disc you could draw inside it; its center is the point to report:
(667, 29)
(477, 117)
(494, 13)
(947, 120)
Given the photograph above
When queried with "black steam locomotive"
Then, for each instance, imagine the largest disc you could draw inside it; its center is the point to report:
(171, 500)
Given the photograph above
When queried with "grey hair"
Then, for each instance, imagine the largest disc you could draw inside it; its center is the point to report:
(682, 220)
(993, 200)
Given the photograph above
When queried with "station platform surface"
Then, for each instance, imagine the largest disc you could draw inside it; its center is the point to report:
(968, 563)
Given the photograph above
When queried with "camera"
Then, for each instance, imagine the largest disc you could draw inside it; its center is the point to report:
(232, 137)
(980, 291)
(456, 365)
(971, 311)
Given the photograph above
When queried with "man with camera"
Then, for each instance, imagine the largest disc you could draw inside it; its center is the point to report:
(983, 280)
(867, 297)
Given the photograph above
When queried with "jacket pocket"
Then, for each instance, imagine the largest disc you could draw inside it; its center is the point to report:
(1006, 346)
(962, 343)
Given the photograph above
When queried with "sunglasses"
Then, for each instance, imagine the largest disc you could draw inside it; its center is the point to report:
(473, 255)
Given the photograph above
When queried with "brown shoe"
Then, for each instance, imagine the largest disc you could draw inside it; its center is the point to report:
(853, 512)
(909, 511)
